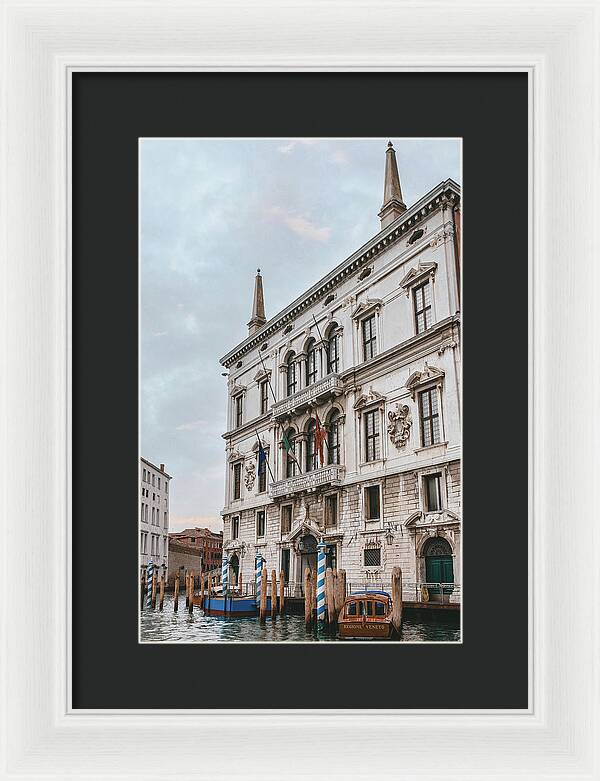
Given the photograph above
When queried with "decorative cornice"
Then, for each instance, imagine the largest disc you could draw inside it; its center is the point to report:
(416, 274)
(262, 375)
(370, 305)
(447, 192)
(427, 375)
(369, 399)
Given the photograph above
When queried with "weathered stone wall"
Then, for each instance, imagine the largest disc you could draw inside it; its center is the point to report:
(397, 542)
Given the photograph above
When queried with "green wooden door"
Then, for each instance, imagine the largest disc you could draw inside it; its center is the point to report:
(439, 569)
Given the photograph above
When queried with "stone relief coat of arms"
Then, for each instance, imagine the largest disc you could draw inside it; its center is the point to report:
(400, 422)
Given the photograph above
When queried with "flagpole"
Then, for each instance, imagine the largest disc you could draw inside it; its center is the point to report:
(266, 457)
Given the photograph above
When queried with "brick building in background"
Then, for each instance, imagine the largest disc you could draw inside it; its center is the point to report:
(207, 544)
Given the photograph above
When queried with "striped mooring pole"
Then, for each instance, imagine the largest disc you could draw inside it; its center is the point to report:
(224, 577)
(321, 548)
(149, 576)
(259, 561)
(224, 573)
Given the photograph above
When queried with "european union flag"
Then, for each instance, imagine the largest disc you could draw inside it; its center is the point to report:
(262, 458)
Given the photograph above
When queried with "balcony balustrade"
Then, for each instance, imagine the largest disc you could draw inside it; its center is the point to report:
(328, 475)
(331, 385)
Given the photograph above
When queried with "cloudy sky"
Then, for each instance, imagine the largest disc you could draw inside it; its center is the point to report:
(212, 212)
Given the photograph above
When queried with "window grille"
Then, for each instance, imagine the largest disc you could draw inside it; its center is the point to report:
(372, 557)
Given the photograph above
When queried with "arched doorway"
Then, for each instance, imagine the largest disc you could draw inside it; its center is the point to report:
(234, 568)
(439, 566)
(307, 548)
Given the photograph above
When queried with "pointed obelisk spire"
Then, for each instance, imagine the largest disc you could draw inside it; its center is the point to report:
(258, 306)
(393, 205)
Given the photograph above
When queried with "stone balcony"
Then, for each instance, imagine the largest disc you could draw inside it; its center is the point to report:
(318, 478)
(331, 385)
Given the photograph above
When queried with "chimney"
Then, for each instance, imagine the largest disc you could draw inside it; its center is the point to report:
(162, 467)
(393, 205)
(258, 306)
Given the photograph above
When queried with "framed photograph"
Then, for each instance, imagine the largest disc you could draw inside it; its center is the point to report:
(341, 413)
(295, 480)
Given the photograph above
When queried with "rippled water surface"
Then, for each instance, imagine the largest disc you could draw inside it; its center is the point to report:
(180, 627)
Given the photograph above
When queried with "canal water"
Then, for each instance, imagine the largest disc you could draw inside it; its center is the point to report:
(180, 627)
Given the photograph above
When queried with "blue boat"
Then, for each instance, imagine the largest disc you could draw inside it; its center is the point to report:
(237, 607)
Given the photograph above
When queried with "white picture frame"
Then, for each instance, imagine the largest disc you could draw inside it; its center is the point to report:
(557, 45)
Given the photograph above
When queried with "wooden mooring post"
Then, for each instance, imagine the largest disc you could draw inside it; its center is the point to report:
(240, 583)
(161, 601)
(307, 597)
(263, 594)
(191, 595)
(154, 579)
(330, 597)
(273, 593)
(281, 592)
(208, 588)
(187, 590)
(176, 594)
(340, 590)
(143, 589)
(397, 598)
(202, 591)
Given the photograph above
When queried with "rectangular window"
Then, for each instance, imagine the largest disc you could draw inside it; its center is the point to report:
(235, 527)
(331, 511)
(144, 475)
(237, 481)
(166, 522)
(159, 483)
(142, 513)
(239, 410)
(153, 478)
(264, 397)
(422, 304)
(430, 419)
(291, 378)
(372, 452)
(372, 557)
(166, 486)
(433, 493)
(369, 338)
(285, 563)
(286, 519)
(372, 510)
(333, 357)
(262, 476)
(260, 523)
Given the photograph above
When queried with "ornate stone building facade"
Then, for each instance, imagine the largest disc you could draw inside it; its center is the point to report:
(370, 354)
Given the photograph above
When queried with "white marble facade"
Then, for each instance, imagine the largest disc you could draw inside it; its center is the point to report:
(373, 349)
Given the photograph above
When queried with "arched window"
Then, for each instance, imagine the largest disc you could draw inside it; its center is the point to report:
(311, 447)
(333, 439)
(290, 461)
(311, 363)
(291, 374)
(333, 351)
